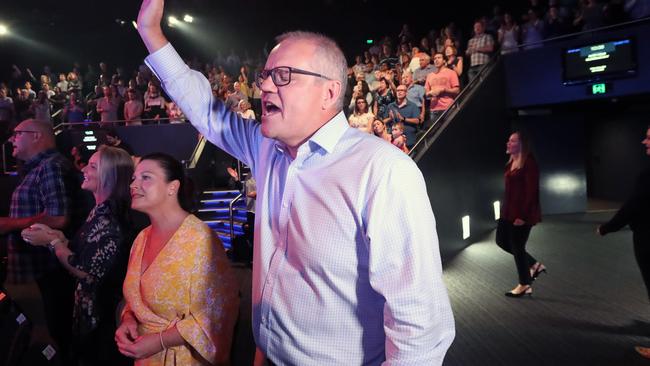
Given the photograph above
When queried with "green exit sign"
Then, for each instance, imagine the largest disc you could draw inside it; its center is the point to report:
(369, 41)
(600, 88)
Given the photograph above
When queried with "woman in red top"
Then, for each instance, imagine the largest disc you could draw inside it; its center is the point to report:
(520, 211)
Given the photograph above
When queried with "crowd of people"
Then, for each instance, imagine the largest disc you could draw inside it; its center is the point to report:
(117, 96)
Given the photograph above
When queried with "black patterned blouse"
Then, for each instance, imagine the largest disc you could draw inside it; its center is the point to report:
(99, 248)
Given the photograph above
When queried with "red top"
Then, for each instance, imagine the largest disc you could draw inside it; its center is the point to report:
(522, 193)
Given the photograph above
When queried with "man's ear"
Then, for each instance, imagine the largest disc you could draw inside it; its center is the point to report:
(331, 93)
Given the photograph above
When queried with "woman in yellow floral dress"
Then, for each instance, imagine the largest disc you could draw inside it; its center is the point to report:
(181, 297)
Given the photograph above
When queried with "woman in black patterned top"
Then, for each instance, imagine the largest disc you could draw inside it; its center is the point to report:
(96, 256)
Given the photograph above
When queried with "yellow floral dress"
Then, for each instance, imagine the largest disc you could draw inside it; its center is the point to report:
(190, 285)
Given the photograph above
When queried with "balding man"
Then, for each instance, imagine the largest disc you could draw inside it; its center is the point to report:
(42, 196)
(346, 267)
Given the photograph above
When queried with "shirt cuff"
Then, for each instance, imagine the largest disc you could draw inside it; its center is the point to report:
(165, 62)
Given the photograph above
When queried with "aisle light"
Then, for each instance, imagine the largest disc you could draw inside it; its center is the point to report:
(497, 210)
(188, 18)
(465, 221)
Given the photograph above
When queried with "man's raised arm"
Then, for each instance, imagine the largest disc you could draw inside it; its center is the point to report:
(149, 18)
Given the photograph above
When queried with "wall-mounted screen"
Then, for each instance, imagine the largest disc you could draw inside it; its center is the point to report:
(599, 61)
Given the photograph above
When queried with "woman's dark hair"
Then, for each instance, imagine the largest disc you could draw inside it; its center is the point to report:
(356, 108)
(174, 171)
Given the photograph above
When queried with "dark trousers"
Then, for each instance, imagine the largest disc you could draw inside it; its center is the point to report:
(57, 293)
(513, 240)
(642, 254)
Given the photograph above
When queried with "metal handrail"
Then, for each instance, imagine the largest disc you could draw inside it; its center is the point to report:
(232, 215)
(64, 124)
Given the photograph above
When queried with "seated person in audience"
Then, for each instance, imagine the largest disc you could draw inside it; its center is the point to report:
(181, 296)
(404, 112)
(154, 105)
(361, 118)
(133, 108)
(73, 112)
(398, 138)
(379, 130)
(96, 256)
(245, 110)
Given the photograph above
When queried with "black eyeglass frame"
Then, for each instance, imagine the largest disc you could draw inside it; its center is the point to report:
(264, 74)
(15, 133)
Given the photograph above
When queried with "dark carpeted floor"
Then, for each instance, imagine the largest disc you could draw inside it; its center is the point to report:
(590, 309)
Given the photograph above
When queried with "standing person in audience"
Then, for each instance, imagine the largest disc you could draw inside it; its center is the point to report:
(133, 108)
(244, 110)
(453, 61)
(62, 83)
(442, 87)
(533, 31)
(420, 75)
(107, 107)
(7, 113)
(635, 212)
(479, 49)
(384, 96)
(414, 93)
(520, 211)
(339, 263)
(44, 194)
(40, 107)
(181, 296)
(361, 118)
(404, 112)
(72, 111)
(508, 35)
(154, 105)
(96, 256)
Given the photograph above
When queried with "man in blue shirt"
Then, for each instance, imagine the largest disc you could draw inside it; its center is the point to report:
(402, 110)
(346, 267)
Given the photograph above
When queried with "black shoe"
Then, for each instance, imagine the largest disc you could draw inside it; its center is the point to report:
(538, 269)
(527, 291)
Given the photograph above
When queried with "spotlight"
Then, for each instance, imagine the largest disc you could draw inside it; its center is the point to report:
(188, 18)
(135, 25)
(173, 21)
(3, 30)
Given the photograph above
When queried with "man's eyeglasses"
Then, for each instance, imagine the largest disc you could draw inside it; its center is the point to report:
(18, 132)
(281, 75)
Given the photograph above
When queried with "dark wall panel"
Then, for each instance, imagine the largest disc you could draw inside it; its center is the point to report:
(463, 168)
(534, 77)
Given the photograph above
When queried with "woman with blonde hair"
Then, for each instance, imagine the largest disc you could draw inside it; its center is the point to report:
(96, 256)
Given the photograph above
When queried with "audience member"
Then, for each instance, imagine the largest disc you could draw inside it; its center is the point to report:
(96, 256)
(181, 297)
(7, 113)
(533, 31)
(479, 49)
(420, 75)
(133, 108)
(40, 107)
(379, 129)
(398, 139)
(107, 107)
(44, 195)
(384, 96)
(508, 35)
(406, 113)
(72, 111)
(114, 140)
(154, 105)
(442, 87)
(361, 118)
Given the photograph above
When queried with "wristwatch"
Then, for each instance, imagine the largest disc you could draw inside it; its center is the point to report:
(52, 245)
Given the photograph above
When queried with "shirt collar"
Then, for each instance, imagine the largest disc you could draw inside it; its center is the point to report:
(327, 136)
(35, 160)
